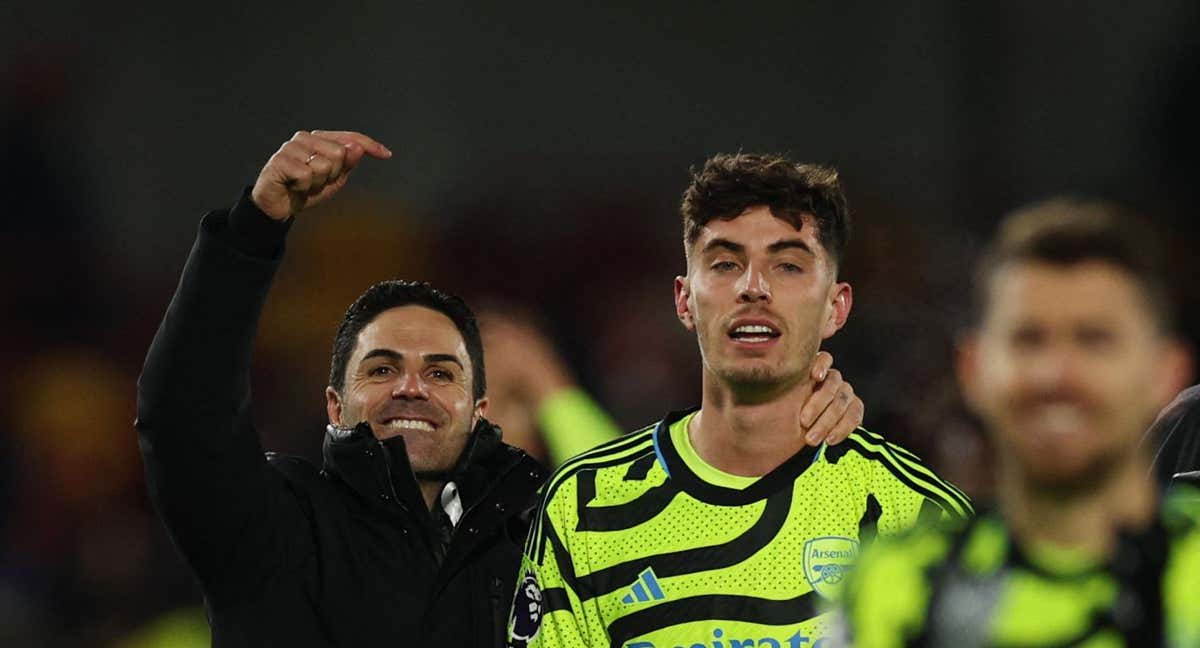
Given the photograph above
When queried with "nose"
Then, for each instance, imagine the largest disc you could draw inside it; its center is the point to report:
(410, 386)
(752, 286)
(1053, 370)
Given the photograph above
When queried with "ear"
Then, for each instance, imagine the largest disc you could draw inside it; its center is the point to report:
(481, 408)
(967, 368)
(333, 405)
(683, 310)
(841, 300)
(1174, 372)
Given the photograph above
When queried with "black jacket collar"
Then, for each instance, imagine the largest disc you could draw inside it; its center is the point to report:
(379, 471)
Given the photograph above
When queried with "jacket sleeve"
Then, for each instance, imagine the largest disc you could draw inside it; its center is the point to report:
(228, 511)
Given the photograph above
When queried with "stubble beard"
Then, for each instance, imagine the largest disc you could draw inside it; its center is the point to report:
(1045, 475)
(763, 380)
(441, 467)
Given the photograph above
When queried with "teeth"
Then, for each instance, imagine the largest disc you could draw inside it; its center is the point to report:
(1061, 418)
(410, 424)
(754, 328)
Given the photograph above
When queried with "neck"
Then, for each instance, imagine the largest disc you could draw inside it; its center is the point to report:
(1086, 518)
(749, 434)
(430, 491)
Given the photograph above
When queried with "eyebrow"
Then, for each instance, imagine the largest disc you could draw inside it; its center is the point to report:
(774, 248)
(736, 248)
(429, 358)
(789, 244)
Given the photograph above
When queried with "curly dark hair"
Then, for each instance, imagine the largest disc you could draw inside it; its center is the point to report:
(386, 295)
(729, 183)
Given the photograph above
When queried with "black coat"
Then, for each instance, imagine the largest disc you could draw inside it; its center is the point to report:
(1177, 435)
(289, 555)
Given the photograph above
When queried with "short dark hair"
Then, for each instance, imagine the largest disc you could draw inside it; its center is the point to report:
(1069, 231)
(730, 182)
(386, 295)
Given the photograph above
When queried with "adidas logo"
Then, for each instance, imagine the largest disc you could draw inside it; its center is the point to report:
(645, 588)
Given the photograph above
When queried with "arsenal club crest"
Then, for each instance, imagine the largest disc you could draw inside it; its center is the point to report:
(827, 560)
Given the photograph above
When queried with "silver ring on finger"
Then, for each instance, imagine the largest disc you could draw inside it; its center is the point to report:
(311, 158)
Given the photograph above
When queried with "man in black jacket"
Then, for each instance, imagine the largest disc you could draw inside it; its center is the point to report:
(411, 532)
(412, 529)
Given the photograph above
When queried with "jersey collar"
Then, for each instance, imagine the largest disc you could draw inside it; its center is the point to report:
(678, 471)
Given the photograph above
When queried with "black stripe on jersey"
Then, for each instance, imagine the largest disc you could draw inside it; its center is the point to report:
(555, 599)
(942, 498)
(913, 460)
(640, 468)
(621, 516)
(870, 519)
(535, 546)
(697, 559)
(951, 500)
(566, 566)
(715, 608)
(782, 478)
(916, 469)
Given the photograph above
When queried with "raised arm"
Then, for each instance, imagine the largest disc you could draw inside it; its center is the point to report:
(227, 509)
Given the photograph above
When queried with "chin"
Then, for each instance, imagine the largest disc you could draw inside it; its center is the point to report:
(757, 373)
(1068, 473)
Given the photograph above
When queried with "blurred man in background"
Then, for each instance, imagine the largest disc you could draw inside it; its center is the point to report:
(1073, 356)
(534, 396)
(727, 523)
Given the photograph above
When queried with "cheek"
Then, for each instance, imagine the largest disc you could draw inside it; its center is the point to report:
(456, 400)
(999, 381)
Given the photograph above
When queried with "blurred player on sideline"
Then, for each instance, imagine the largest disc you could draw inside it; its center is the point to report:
(1073, 355)
(725, 525)
(535, 398)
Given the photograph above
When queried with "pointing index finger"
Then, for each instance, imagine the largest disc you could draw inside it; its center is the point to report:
(348, 138)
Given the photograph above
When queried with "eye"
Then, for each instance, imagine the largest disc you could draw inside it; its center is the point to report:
(381, 370)
(437, 373)
(724, 266)
(1095, 337)
(790, 268)
(1028, 337)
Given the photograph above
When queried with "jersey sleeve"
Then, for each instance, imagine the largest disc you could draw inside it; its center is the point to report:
(909, 492)
(547, 611)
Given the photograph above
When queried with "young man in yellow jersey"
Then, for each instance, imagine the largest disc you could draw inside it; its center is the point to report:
(726, 525)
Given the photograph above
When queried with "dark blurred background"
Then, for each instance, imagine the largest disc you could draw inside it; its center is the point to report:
(541, 152)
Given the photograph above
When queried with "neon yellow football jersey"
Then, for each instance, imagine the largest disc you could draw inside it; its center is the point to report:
(639, 543)
(973, 584)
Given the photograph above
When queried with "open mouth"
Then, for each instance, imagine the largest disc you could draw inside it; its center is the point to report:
(756, 333)
(1058, 420)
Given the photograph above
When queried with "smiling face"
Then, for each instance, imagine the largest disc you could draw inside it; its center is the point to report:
(1068, 369)
(760, 296)
(410, 376)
